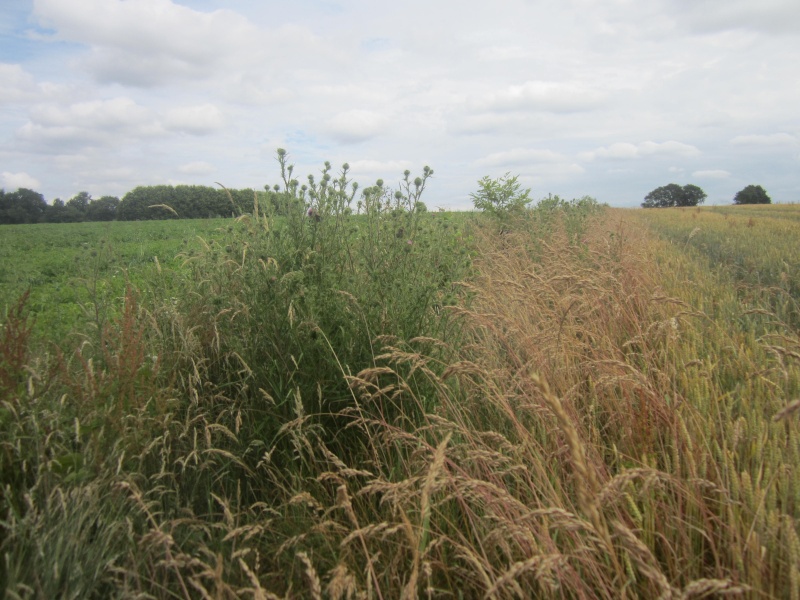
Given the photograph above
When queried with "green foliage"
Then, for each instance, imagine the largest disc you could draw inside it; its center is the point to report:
(673, 195)
(103, 209)
(82, 207)
(142, 203)
(752, 194)
(502, 198)
(21, 206)
(80, 202)
(182, 202)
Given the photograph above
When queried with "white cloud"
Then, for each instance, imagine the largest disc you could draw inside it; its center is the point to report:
(555, 172)
(90, 88)
(503, 53)
(770, 140)
(198, 167)
(711, 174)
(197, 120)
(519, 156)
(367, 95)
(619, 150)
(148, 41)
(356, 126)
(116, 113)
(382, 168)
(16, 85)
(65, 128)
(53, 127)
(770, 16)
(534, 166)
(547, 96)
(670, 148)
(623, 150)
(480, 124)
(13, 181)
(19, 86)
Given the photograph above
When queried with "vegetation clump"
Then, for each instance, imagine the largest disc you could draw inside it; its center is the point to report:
(503, 198)
(752, 194)
(143, 203)
(674, 195)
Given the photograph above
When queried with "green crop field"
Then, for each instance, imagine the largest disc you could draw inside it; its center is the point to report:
(562, 401)
(71, 268)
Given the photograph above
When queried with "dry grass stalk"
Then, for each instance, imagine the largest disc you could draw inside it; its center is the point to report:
(342, 585)
(315, 587)
(705, 588)
(344, 502)
(787, 411)
(644, 560)
(544, 569)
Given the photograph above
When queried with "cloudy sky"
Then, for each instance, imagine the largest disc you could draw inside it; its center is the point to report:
(609, 98)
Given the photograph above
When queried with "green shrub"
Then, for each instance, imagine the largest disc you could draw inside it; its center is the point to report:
(502, 198)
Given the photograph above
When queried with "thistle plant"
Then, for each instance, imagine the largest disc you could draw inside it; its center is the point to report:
(307, 290)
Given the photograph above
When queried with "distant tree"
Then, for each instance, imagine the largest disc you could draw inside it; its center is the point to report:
(243, 201)
(77, 207)
(136, 204)
(672, 195)
(692, 196)
(102, 209)
(663, 197)
(182, 202)
(22, 206)
(752, 194)
(61, 212)
(56, 212)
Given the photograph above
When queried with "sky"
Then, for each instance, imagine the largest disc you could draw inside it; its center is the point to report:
(606, 98)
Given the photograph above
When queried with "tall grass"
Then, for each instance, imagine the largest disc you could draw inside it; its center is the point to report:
(588, 413)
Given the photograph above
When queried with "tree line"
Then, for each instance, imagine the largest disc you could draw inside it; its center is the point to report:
(154, 202)
(140, 204)
(673, 195)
